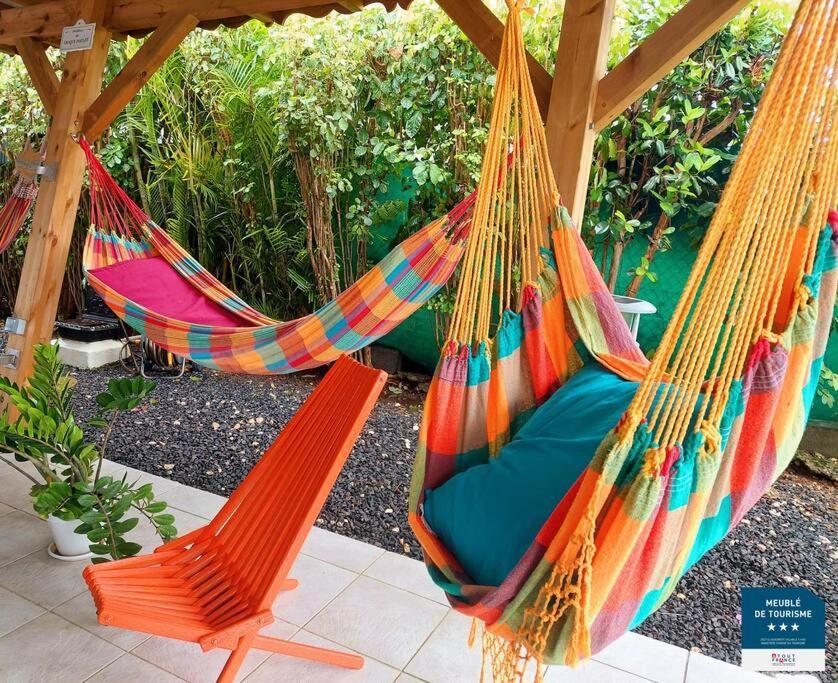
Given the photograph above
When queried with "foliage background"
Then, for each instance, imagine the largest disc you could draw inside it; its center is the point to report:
(289, 158)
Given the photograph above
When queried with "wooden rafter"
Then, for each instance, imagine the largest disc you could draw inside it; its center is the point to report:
(136, 72)
(36, 21)
(47, 19)
(266, 19)
(351, 5)
(685, 31)
(40, 70)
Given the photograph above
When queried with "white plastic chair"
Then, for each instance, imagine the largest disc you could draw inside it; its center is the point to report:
(632, 309)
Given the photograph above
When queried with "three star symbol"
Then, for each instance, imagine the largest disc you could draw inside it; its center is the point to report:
(783, 627)
(770, 627)
(795, 627)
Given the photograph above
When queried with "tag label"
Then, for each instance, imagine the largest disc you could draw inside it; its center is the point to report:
(783, 629)
(77, 37)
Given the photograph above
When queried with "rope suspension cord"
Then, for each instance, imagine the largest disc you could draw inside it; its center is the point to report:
(785, 177)
(509, 217)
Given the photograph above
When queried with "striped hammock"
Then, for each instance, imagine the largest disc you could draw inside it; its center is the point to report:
(719, 410)
(160, 290)
(14, 211)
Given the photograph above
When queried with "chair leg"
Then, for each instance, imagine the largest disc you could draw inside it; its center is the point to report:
(347, 660)
(236, 659)
(289, 585)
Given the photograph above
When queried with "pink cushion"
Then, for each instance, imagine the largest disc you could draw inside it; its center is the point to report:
(153, 284)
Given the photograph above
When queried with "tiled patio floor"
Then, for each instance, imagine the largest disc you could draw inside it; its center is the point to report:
(351, 595)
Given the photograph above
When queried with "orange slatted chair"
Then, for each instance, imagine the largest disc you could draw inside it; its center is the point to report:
(216, 585)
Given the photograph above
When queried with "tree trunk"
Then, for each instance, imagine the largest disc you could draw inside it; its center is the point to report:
(616, 260)
(320, 238)
(651, 250)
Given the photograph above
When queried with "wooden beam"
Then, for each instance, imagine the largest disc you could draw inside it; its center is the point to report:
(130, 15)
(485, 30)
(39, 21)
(55, 209)
(661, 52)
(580, 64)
(351, 5)
(135, 74)
(40, 70)
(266, 19)
(47, 19)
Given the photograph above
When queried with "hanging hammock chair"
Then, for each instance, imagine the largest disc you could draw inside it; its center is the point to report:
(562, 483)
(16, 209)
(158, 289)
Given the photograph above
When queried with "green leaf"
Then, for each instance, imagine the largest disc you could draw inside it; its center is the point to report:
(127, 549)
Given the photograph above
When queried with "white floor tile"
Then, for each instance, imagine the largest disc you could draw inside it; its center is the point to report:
(189, 662)
(82, 612)
(43, 579)
(131, 669)
(646, 657)
(320, 582)
(345, 552)
(407, 678)
(15, 611)
(446, 656)
(22, 535)
(51, 650)
(407, 574)
(282, 668)
(590, 672)
(378, 620)
(199, 503)
(701, 668)
(6, 509)
(14, 490)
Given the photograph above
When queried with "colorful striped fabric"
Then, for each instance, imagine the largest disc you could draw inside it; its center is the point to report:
(650, 530)
(14, 211)
(122, 235)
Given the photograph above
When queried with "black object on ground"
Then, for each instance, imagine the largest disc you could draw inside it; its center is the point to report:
(207, 430)
(89, 328)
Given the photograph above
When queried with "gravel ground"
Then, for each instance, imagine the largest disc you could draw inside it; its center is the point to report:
(207, 430)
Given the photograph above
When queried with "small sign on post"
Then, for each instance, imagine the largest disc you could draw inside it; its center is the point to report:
(77, 37)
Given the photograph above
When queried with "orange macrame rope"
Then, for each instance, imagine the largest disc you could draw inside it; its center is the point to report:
(508, 229)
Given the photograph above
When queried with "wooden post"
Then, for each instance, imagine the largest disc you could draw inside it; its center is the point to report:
(58, 198)
(580, 64)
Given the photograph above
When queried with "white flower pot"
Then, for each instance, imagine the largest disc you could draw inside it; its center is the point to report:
(67, 544)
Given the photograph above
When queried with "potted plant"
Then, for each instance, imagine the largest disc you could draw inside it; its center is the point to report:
(88, 513)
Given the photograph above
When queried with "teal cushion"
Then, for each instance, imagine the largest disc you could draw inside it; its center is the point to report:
(489, 514)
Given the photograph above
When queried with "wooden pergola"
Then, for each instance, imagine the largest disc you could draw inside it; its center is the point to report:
(577, 103)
